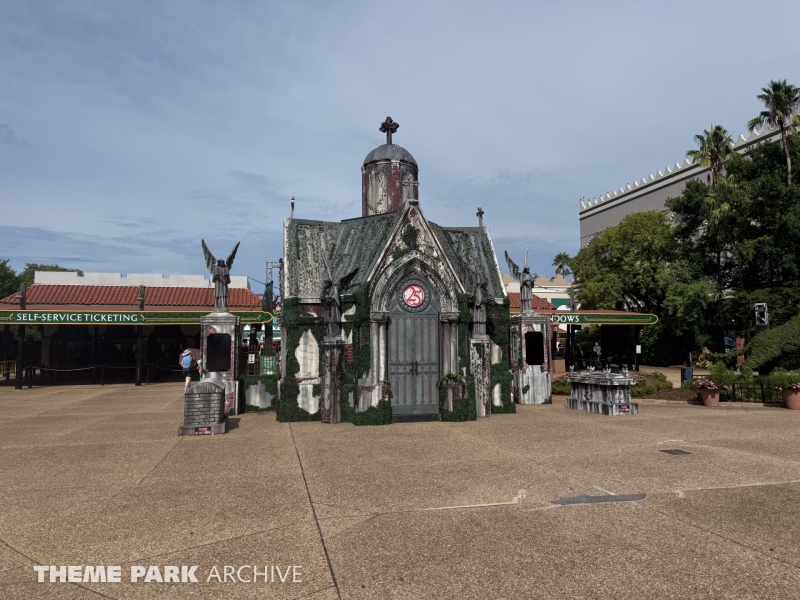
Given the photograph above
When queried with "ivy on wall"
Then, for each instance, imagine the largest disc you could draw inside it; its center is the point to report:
(270, 383)
(498, 323)
(409, 237)
(296, 321)
(359, 325)
(463, 409)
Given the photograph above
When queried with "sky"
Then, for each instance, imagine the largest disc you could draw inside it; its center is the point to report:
(131, 130)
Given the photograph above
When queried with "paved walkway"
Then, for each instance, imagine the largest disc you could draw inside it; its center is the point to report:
(98, 476)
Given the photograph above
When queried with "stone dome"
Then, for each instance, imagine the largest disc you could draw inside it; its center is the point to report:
(390, 152)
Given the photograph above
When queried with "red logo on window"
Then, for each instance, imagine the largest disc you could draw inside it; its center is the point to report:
(414, 295)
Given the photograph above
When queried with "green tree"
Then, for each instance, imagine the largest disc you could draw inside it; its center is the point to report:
(780, 99)
(639, 266)
(561, 263)
(714, 149)
(744, 233)
(27, 274)
(9, 282)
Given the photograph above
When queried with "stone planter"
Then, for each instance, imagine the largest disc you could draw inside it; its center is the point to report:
(710, 397)
(792, 399)
(457, 389)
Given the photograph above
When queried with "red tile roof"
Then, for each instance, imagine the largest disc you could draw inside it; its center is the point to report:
(125, 295)
(537, 303)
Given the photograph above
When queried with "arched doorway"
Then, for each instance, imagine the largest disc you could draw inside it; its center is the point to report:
(413, 347)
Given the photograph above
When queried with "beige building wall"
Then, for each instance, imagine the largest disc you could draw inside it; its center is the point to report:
(651, 192)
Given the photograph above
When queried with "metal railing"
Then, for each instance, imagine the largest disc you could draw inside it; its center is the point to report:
(755, 392)
(749, 391)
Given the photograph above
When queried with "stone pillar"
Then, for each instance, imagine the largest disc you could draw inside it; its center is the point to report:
(380, 357)
(531, 382)
(449, 351)
(497, 358)
(480, 357)
(332, 375)
(374, 340)
(382, 350)
(220, 358)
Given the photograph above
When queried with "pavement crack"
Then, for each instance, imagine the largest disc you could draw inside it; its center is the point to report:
(36, 562)
(516, 500)
(726, 538)
(222, 541)
(15, 551)
(161, 461)
(314, 512)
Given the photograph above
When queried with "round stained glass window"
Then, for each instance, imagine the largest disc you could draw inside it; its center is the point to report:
(414, 295)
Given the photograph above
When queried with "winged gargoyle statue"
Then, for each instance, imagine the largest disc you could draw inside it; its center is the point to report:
(525, 281)
(335, 290)
(221, 276)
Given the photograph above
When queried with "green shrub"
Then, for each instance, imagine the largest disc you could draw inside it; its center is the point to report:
(648, 383)
(560, 386)
(721, 374)
(768, 347)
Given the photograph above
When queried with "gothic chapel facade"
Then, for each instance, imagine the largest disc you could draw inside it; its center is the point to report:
(389, 317)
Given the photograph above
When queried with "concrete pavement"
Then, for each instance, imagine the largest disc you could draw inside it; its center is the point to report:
(99, 476)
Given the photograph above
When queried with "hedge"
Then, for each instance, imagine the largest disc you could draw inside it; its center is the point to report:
(770, 345)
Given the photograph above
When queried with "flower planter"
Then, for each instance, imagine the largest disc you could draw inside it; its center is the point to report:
(710, 397)
(792, 399)
(457, 389)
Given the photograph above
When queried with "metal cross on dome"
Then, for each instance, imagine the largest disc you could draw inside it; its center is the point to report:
(389, 127)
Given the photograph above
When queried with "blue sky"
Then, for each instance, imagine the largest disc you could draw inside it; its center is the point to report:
(129, 130)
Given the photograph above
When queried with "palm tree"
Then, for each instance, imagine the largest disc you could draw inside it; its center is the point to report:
(561, 263)
(715, 147)
(780, 99)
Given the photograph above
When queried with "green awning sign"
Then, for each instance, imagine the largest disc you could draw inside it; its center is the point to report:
(94, 317)
(616, 318)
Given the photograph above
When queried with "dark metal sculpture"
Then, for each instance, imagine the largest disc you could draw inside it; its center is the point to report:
(335, 290)
(525, 281)
(221, 276)
(389, 127)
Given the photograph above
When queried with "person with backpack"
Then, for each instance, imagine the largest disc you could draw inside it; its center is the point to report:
(188, 364)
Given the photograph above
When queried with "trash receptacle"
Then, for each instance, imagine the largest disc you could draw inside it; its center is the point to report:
(686, 373)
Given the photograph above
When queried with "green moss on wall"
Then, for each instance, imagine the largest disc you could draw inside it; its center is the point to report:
(497, 326)
(296, 321)
(359, 325)
(270, 383)
(464, 409)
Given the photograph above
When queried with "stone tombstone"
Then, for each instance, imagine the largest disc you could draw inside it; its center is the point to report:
(602, 393)
(204, 409)
(221, 339)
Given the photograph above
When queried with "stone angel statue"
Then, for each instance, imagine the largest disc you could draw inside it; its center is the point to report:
(333, 316)
(221, 276)
(525, 281)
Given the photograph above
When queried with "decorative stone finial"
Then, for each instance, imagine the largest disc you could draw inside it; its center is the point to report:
(291, 216)
(389, 127)
(480, 216)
